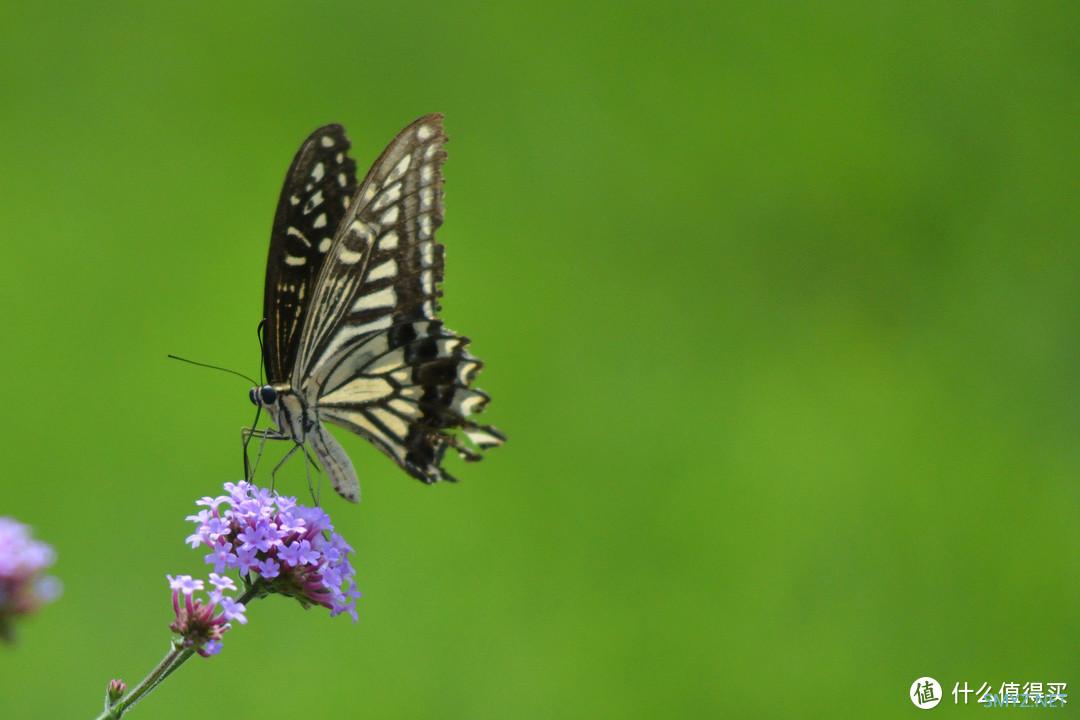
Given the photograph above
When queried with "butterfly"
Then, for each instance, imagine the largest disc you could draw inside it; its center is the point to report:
(351, 334)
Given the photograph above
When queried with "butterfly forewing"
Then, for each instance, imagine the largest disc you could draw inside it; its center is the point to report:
(384, 265)
(318, 188)
(373, 356)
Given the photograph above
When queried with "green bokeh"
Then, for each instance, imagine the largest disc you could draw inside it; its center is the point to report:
(780, 310)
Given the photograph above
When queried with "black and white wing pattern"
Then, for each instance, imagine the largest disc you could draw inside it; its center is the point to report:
(373, 356)
(315, 197)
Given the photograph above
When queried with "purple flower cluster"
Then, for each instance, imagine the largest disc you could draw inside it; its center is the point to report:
(23, 586)
(196, 623)
(277, 546)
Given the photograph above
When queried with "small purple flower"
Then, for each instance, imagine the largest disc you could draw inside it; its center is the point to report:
(222, 582)
(23, 585)
(268, 569)
(246, 560)
(233, 610)
(215, 527)
(184, 583)
(309, 555)
(289, 525)
(212, 503)
(299, 552)
(199, 517)
(222, 557)
(261, 537)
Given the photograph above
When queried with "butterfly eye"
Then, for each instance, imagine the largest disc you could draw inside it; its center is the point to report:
(251, 396)
(268, 395)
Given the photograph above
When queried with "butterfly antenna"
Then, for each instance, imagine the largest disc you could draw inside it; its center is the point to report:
(258, 408)
(213, 367)
(259, 332)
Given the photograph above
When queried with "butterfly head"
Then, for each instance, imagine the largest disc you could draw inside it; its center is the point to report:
(265, 395)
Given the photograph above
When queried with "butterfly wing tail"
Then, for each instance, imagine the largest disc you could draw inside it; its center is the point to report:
(335, 463)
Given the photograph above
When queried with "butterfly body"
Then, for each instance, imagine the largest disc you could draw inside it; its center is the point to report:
(287, 410)
(351, 303)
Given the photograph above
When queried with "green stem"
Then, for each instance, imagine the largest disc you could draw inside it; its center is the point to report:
(176, 657)
(148, 683)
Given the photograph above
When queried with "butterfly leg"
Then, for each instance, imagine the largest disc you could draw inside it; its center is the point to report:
(258, 456)
(318, 471)
(308, 462)
(282, 461)
(245, 437)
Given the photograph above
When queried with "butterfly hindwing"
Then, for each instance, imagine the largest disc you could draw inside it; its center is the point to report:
(318, 188)
(404, 390)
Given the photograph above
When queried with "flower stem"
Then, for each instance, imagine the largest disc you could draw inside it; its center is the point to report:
(148, 683)
(176, 657)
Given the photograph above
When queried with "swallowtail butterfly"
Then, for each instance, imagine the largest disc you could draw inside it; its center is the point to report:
(351, 329)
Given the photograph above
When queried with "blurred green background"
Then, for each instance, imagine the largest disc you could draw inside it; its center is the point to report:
(780, 309)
